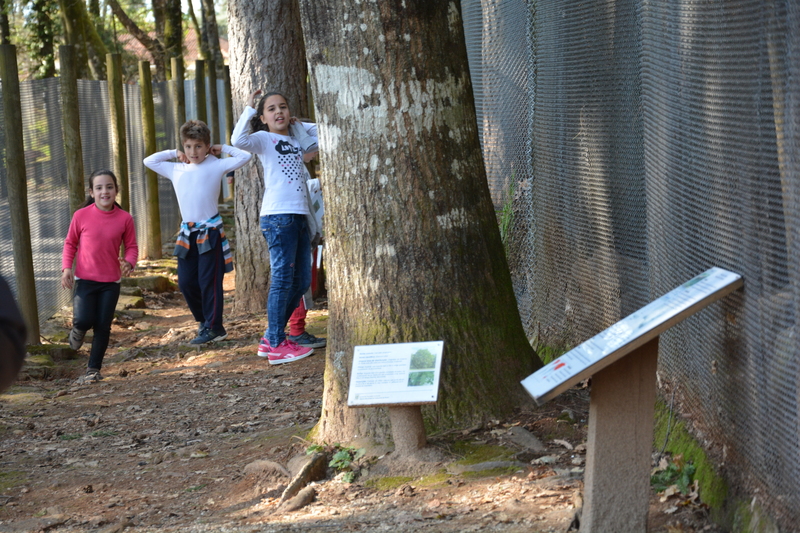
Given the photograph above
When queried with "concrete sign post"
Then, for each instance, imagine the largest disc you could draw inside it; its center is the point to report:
(622, 362)
(402, 377)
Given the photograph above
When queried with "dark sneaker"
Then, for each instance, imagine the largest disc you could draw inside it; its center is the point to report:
(286, 352)
(308, 340)
(76, 339)
(208, 335)
(92, 375)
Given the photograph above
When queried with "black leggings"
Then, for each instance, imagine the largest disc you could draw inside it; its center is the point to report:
(93, 308)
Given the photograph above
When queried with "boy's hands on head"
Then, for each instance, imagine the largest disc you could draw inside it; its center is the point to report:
(216, 150)
(67, 279)
(253, 98)
(182, 157)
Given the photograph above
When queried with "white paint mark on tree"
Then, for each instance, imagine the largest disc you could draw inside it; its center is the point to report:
(373, 163)
(385, 249)
(453, 19)
(457, 218)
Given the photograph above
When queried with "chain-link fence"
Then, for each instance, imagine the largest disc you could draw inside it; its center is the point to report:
(48, 189)
(661, 138)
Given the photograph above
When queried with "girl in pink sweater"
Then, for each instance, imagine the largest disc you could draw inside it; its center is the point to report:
(95, 234)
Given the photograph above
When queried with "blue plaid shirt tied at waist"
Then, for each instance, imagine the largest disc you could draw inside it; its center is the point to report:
(203, 246)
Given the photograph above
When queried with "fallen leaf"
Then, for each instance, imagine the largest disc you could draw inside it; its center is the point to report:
(669, 491)
(563, 443)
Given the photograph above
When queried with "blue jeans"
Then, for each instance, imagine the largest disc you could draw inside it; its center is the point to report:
(93, 308)
(290, 263)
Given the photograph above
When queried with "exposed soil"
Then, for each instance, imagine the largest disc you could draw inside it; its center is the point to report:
(164, 441)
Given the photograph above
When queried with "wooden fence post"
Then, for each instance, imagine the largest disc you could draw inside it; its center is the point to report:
(216, 135)
(178, 96)
(200, 89)
(71, 126)
(229, 120)
(153, 221)
(18, 191)
(119, 139)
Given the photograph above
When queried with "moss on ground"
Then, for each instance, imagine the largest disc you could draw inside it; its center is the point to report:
(492, 472)
(11, 479)
(474, 453)
(713, 488)
(388, 483)
(434, 480)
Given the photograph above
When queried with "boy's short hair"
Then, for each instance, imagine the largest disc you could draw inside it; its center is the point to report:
(197, 130)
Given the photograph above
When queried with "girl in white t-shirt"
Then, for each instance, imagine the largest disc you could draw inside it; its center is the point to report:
(264, 130)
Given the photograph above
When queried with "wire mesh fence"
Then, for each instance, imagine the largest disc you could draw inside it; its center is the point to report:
(661, 138)
(47, 183)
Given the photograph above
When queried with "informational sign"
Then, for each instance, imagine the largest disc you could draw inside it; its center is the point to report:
(630, 333)
(392, 374)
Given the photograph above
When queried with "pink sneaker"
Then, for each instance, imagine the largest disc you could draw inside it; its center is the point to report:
(286, 352)
(264, 347)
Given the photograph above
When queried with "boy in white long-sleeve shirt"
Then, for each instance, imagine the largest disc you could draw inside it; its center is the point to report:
(203, 252)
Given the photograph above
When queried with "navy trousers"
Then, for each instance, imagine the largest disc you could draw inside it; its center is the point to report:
(200, 280)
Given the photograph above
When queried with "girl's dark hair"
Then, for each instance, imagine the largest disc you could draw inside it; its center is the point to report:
(255, 122)
(104, 172)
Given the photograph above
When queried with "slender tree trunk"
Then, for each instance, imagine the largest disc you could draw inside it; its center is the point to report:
(211, 36)
(267, 56)
(414, 252)
(41, 20)
(199, 32)
(5, 27)
(154, 46)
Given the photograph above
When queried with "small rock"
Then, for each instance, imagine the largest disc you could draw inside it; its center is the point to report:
(303, 498)
(526, 439)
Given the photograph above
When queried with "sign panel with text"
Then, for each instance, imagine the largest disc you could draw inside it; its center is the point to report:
(630, 333)
(391, 374)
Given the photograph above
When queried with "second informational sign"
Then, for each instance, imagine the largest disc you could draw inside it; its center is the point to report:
(630, 333)
(392, 374)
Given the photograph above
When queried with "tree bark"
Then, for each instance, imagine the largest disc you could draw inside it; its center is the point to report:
(41, 20)
(5, 27)
(211, 36)
(268, 56)
(173, 29)
(74, 34)
(414, 251)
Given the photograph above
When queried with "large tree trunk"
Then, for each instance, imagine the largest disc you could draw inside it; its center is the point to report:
(173, 29)
(413, 247)
(74, 34)
(269, 56)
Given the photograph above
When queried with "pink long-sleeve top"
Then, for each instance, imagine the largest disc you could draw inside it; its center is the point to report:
(95, 237)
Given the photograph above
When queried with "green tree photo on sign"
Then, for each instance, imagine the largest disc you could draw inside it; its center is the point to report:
(418, 379)
(422, 360)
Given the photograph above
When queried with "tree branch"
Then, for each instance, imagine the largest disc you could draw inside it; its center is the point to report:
(154, 46)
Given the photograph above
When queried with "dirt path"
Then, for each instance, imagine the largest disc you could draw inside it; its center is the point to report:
(163, 443)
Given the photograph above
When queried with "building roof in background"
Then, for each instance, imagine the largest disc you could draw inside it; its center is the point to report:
(191, 47)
